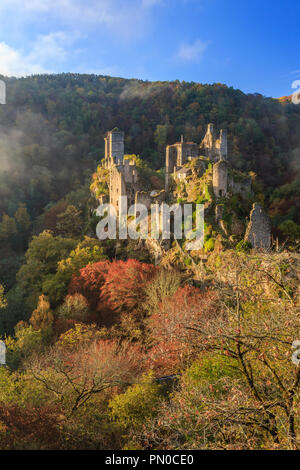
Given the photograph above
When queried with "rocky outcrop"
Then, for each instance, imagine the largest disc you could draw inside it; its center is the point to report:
(258, 232)
(157, 248)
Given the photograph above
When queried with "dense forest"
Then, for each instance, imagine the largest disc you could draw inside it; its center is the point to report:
(52, 131)
(104, 348)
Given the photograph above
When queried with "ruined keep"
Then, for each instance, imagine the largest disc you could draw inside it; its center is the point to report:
(258, 232)
(124, 175)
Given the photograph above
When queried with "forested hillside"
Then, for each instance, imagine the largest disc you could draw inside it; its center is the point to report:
(53, 126)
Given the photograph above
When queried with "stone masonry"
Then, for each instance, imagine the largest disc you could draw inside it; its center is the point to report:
(258, 232)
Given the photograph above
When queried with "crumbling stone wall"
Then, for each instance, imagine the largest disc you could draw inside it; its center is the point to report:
(150, 197)
(178, 155)
(123, 182)
(243, 187)
(208, 142)
(258, 232)
(223, 144)
(117, 187)
(215, 149)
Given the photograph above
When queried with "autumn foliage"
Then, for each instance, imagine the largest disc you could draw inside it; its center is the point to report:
(125, 282)
(171, 327)
(112, 288)
(29, 427)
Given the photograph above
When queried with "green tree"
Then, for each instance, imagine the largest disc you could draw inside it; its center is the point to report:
(23, 226)
(75, 307)
(41, 262)
(290, 229)
(8, 227)
(160, 136)
(23, 219)
(42, 317)
(69, 223)
(88, 251)
(3, 301)
(139, 402)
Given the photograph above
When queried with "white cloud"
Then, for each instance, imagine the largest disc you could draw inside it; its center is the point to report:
(112, 13)
(192, 52)
(52, 46)
(13, 63)
(46, 50)
(121, 19)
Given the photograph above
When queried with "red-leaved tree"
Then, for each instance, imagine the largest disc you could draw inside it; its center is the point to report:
(125, 284)
(113, 288)
(89, 283)
(30, 427)
(74, 372)
(171, 327)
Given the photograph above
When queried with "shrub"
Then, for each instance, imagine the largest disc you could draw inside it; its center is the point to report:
(75, 307)
(244, 246)
(209, 245)
(140, 401)
(42, 317)
(164, 284)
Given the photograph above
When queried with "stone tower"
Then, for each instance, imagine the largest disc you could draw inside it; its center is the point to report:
(123, 182)
(114, 147)
(178, 155)
(220, 178)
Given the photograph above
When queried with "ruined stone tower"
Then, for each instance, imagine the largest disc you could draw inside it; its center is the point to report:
(220, 178)
(178, 155)
(114, 147)
(123, 182)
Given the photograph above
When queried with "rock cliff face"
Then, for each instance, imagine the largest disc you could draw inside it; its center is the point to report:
(258, 232)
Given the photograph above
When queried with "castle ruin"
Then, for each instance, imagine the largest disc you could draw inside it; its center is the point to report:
(125, 178)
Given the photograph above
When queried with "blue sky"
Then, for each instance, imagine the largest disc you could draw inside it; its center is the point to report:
(248, 44)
